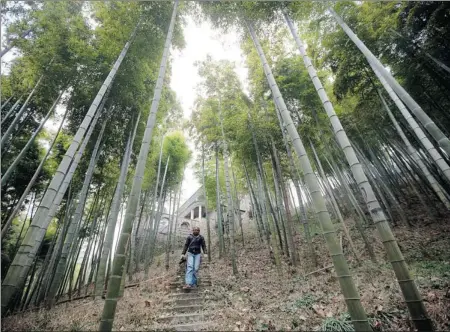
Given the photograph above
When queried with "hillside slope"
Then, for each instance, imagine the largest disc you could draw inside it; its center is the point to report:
(302, 298)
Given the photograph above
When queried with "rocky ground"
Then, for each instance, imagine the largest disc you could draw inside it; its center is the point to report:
(262, 298)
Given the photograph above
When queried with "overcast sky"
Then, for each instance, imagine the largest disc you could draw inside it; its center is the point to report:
(201, 40)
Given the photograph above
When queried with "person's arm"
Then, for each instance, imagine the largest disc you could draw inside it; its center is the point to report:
(204, 246)
(186, 245)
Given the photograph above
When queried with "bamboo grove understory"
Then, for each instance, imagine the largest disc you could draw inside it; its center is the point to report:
(333, 134)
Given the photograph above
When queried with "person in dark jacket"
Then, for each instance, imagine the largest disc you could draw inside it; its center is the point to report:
(195, 243)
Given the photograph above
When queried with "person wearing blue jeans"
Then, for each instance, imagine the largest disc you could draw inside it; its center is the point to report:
(195, 243)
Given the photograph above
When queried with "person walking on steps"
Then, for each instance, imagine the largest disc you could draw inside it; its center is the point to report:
(193, 246)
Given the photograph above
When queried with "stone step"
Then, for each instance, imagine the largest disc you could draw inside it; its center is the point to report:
(181, 279)
(183, 301)
(203, 276)
(199, 326)
(176, 296)
(191, 308)
(201, 282)
(199, 290)
(179, 287)
(181, 284)
(182, 318)
(176, 284)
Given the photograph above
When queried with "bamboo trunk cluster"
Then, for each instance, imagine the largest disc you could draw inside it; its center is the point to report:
(120, 255)
(395, 256)
(26, 254)
(351, 296)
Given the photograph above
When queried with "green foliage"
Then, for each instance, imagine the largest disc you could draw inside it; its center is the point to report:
(431, 273)
(433, 268)
(175, 146)
(340, 324)
(210, 180)
(402, 35)
(305, 302)
(22, 174)
(76, 326)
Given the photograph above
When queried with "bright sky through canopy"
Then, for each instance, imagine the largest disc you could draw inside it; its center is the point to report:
(201, 40)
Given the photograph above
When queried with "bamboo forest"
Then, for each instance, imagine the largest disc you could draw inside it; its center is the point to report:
(295, 154)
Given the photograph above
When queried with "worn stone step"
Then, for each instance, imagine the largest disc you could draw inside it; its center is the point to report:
(182, 295)
(182, 318)
(180, 289)
(182, 280)
(176, 284)
(181, 277)
(180, 283)
(198, 326)
(183, 301)
(191, 308)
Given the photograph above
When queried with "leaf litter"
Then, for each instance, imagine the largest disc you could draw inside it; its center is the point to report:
(261, 299)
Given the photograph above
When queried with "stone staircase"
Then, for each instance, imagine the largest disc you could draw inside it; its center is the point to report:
(184, 309)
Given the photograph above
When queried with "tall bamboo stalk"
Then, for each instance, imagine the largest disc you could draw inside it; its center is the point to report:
(177, 213)
(148, 233)
(296, 180)
(19, 114)
(13, 107)
(32, 181)
(113, 214)
(109, 308)
(4, 103)
(421, 136)
(237, 207)
(348, 287)
(265, 201)
(218, 207)
(68, 178)
(157, 220)
(208, 226)
(50, 269)
(415, 108)
(255, 206)
(170, 229)
(230, 205)
(10, 45)
(24, 150)
(75, 220)
(289, 223)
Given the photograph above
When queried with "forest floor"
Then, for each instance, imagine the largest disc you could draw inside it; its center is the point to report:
(262, 299)
(136, 311)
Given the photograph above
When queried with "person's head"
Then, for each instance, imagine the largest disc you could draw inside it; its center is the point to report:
(196, 231)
